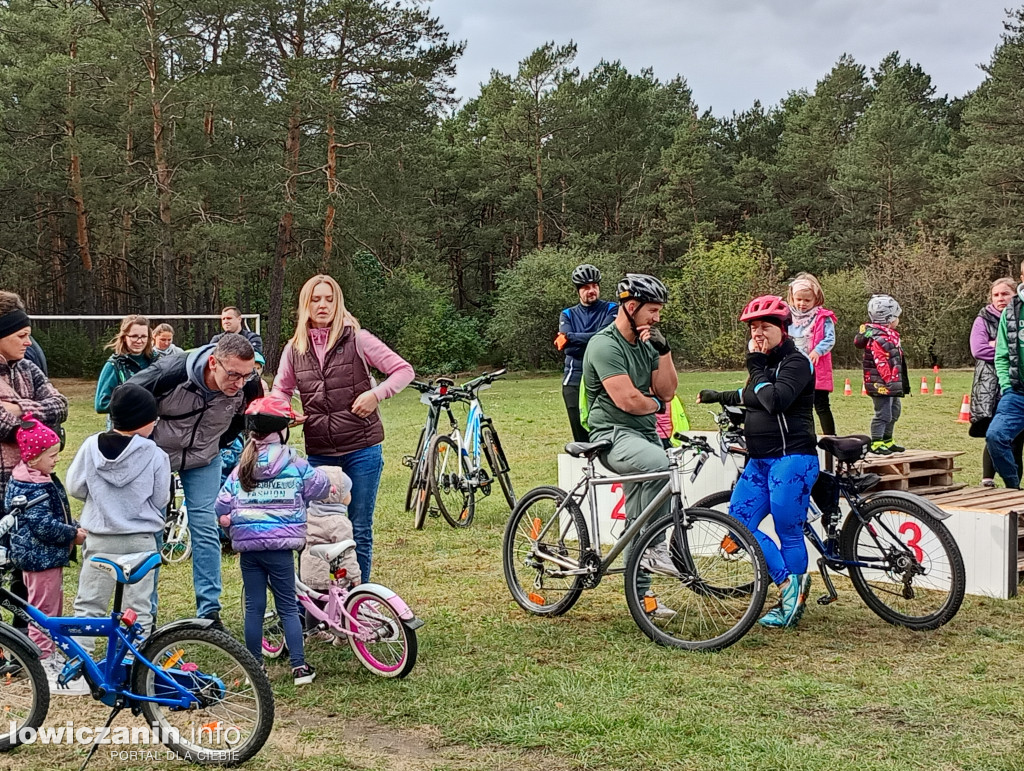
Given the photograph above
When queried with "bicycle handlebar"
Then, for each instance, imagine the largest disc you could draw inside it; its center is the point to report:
(487, 377)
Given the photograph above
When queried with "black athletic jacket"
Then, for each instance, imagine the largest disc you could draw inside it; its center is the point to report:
(779, 397)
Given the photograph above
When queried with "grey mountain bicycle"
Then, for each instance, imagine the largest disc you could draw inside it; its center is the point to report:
(682, 587)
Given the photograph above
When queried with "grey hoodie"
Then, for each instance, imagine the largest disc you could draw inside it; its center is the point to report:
(126, 495)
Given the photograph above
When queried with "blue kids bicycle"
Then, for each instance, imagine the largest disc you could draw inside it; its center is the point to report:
(204, 696)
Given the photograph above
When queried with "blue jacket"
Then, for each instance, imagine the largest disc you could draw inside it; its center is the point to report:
(46, 532)
(273, 515)
(580, 323)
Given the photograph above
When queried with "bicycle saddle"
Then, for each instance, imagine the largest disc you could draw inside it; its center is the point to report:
(845, 448)
(330, 551)
(127, 568)
(587, 449)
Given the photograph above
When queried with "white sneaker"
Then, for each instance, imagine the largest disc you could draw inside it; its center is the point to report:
(658, 560)
(660, 612)
(77, 687)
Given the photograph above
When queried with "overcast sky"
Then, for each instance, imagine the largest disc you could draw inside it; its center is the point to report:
(731, 52)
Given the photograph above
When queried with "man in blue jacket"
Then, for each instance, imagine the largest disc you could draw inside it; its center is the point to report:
(576, 325)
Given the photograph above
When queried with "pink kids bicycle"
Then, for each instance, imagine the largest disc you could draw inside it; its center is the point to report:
(378, 624)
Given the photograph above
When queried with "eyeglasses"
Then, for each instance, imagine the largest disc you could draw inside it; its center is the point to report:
(137, 338)
(236, 376)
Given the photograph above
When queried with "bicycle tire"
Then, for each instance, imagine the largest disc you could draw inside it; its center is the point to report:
(495, 455)
(272, 645)
(876, 587)
(715, 500)
(520, 545)
(166, 651)
(177, 545)
(449, 484)
(414, 472)
(392, 656)
(29, 688)
(707, 596)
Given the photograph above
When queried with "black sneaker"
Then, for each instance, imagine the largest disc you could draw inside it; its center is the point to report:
(303, 675)
(893, 447)
(880, 447)
(217, 623)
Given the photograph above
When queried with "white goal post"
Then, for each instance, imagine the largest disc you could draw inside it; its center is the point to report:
(161, 317)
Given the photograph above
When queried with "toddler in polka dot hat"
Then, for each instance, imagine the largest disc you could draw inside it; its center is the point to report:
(44, 542)
(34, 438)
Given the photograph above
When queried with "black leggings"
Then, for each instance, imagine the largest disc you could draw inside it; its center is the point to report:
(824, 410)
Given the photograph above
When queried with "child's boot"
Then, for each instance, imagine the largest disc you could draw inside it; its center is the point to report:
(880, 447)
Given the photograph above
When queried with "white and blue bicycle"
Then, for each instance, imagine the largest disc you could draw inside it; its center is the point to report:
(455, 469)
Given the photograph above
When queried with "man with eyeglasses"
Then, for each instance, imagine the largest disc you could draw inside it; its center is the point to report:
(201, 402)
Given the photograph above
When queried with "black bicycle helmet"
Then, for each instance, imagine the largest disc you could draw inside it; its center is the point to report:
(646, 289)
(585, 274)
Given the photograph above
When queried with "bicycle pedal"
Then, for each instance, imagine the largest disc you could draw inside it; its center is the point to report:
(434, 513)
(826, 599)
(408, 461)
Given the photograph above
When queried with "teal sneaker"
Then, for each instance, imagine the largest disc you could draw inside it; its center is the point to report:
(794, 598)
(773, 618)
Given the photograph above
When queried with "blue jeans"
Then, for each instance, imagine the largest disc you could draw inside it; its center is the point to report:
(1007, 423)
(201, 486)
(364, 468)
(275, 569)
(781, 487)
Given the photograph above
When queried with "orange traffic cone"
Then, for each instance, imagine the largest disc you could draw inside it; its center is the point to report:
(863, 389)
(847, 390)
(938, 386)
(935, 369)
(965, 410)
(924, 386)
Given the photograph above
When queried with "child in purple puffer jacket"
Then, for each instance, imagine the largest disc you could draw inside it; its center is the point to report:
(263, 505)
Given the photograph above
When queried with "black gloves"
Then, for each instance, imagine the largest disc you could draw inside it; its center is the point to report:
(707, 396)
(657, 339)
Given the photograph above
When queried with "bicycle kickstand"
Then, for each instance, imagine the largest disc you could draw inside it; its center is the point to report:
(113, 713)
(826, 599)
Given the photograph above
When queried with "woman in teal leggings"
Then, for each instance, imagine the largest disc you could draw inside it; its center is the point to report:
(783, 465)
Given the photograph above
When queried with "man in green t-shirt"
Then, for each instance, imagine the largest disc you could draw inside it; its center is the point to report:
(629, 378)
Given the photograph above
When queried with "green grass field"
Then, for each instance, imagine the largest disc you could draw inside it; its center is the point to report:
(496, 688)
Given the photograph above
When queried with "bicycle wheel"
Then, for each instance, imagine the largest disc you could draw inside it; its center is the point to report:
(448, 475)
(421, 504)
(918, 579)
(384, 643)
(538, 584)
(414, 475)
(24, 690)
(698, 598)
(273, 644)
(235, 712)
(177, 537)
(496, 459)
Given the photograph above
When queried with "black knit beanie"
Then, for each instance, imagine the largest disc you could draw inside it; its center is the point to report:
(131, 407)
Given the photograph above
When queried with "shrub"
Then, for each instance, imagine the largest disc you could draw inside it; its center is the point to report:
(713, 282)
(532, 294)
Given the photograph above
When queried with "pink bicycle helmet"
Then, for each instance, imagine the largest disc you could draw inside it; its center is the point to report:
(767, 306)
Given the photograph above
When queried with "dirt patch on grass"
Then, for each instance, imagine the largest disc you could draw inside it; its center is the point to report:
(301, 739)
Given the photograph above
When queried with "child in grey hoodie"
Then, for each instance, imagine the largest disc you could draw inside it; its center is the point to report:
(125, 481)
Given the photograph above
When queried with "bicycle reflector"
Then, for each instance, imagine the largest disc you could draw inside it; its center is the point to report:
(340, 573)
(443, 390)
(129, 617)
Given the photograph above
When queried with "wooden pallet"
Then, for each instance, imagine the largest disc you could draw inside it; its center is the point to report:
(995, 499)
(925, 472)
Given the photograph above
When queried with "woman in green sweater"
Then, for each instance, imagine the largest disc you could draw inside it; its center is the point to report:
(133, 352)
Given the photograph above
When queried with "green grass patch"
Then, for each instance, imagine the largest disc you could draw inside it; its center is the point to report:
(495, 687)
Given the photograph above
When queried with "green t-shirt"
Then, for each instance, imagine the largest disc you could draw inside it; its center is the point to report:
(609, 353)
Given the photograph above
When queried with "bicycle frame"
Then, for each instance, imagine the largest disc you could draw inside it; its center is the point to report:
(108, 676)
(334, 610)
(591, 480)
